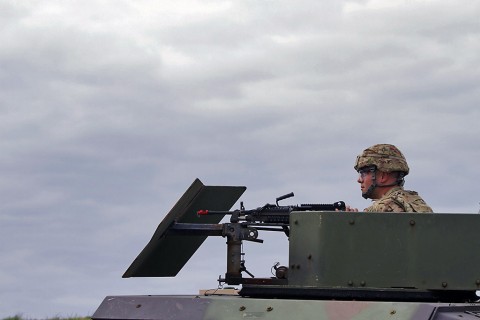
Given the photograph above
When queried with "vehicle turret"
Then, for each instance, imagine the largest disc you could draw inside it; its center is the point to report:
(342, 265)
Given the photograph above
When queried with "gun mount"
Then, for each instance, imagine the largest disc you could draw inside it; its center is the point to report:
(341, 264)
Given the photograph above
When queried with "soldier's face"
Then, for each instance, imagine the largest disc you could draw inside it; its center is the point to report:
(365, 179)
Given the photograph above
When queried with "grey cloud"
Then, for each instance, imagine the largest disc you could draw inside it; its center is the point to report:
(109, 114)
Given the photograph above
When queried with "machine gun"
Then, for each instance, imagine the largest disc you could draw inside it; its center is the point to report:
(273, 213)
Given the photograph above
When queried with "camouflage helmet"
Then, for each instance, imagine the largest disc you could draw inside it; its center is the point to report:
(385, 157)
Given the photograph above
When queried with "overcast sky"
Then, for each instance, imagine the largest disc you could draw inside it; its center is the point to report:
(110, 110)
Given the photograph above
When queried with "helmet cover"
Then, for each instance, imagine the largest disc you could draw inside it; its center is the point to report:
(385, 157)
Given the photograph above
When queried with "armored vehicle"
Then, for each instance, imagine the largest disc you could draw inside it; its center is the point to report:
(342, 265)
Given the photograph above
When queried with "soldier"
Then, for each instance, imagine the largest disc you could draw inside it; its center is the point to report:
(381, 171)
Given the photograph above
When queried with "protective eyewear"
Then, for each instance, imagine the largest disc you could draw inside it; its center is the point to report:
(364, 171)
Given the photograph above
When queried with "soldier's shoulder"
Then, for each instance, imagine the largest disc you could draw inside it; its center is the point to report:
(411, 201)
(387, 204)
(400, 200)
(400, 192)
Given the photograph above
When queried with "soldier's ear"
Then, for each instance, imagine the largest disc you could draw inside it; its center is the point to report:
(383, 176)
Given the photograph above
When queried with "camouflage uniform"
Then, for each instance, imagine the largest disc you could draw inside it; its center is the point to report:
(387, 158)
(399, 200)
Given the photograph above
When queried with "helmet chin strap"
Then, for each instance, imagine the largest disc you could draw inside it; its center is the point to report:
(368, 194)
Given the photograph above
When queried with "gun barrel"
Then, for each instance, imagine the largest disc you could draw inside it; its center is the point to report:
(211, 212)
(340, 205)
